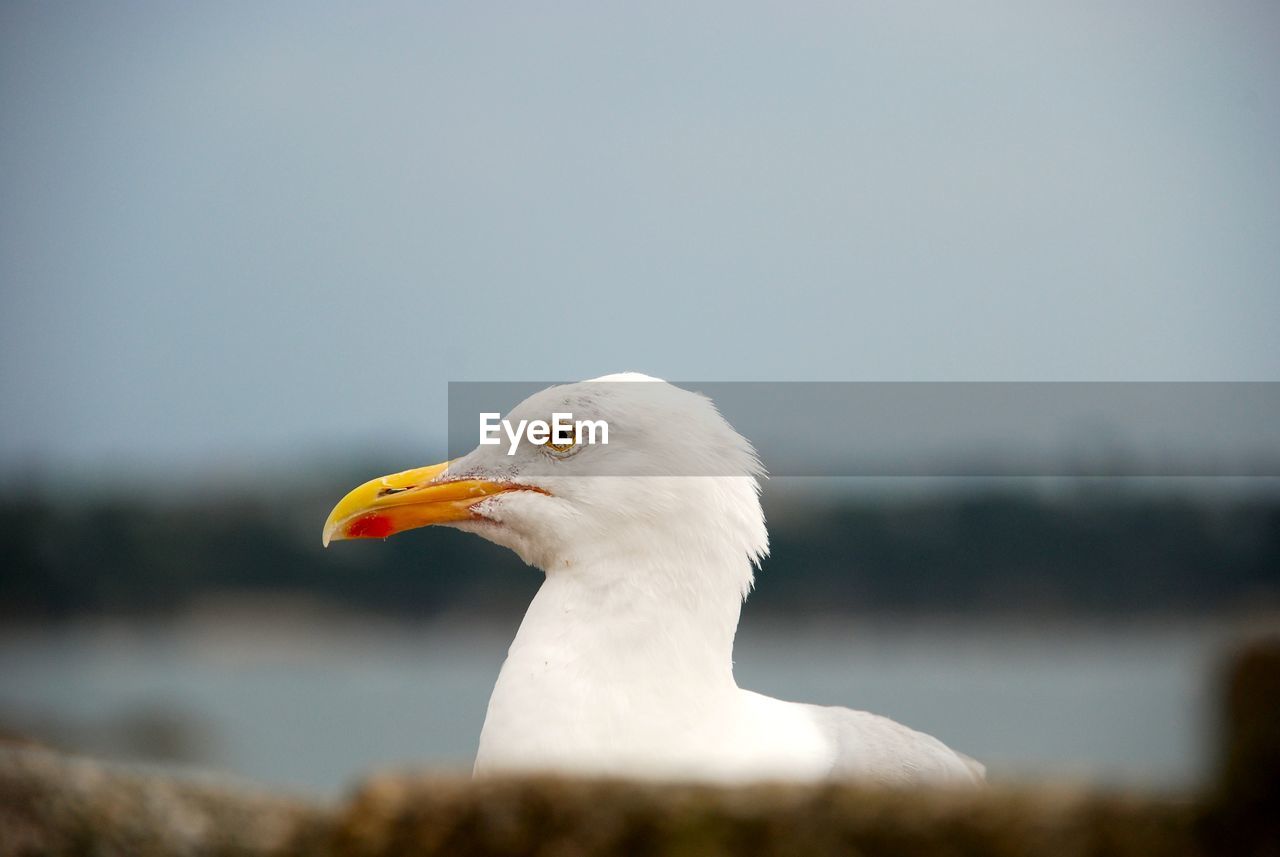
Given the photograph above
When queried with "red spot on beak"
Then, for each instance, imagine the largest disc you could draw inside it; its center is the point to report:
(370, 527)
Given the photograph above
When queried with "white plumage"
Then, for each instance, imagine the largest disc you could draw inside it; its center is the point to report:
(623, 664)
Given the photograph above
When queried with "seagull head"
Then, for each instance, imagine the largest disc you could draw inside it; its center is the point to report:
(674, 483)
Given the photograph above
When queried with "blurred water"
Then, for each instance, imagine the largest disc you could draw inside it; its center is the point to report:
(313, 703)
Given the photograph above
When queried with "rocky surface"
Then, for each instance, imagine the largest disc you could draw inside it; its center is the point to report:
(57, 805)
(52, 805)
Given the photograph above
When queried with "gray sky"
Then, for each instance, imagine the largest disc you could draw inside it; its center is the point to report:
(234, 232)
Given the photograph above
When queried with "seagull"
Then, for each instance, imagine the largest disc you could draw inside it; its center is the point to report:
(623, 664)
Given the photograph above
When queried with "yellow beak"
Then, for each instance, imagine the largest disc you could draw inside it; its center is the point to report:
(403, 501)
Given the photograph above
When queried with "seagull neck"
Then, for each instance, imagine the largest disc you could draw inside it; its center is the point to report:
(643, 621)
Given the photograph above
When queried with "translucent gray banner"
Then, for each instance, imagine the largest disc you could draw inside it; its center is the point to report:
(985, 429)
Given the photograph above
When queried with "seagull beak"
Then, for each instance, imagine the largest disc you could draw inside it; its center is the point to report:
(404, 501)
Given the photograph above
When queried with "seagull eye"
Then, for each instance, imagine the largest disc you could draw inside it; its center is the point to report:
(561, 448)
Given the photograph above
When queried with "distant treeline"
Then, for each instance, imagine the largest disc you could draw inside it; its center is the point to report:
(998, 552)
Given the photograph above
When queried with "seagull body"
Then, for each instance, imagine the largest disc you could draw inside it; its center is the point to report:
(623, 664)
